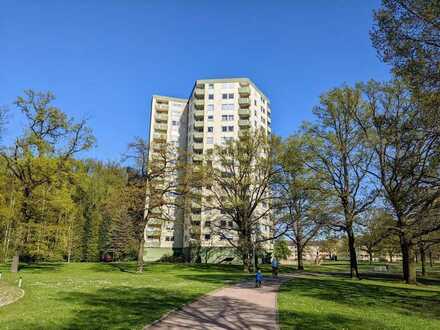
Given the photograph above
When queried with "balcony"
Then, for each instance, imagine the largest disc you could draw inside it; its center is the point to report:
(161, 117)
(155, 223)
(196, 217)
(161, 127)
(244, 123)
(243, 133)
(197, 158)
(161, 107)
(199, 104)
(244, 83)
(199, 124)
(198, 136)
(244, 102)
(198, 146)
(244, 91)
(199, 114)
(199, 93)
(245, 113)
(159, 137)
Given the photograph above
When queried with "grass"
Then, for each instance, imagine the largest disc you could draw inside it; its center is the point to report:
(325, 299)
(106, 296)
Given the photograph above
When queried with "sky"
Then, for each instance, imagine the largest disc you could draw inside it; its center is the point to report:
(105, 59)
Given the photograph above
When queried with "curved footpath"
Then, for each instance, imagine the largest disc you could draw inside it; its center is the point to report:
(238, 307)
(9, 294)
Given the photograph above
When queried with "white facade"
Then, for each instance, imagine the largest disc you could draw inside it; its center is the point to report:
(217, 110)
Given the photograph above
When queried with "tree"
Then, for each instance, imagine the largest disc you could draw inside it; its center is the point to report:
(156, 183)
(374, 232)
(406, 34)
(238, 179)
(341, 161)
(299, 196)
(41, 154)
(281, 250)
(407, 163)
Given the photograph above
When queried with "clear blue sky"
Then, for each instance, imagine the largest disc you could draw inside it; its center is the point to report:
(104, 59)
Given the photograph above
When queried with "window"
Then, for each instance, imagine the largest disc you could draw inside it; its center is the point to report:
(230, 117)
(263, 120)
(210, 140)
(207, 223)
(210, 96)
(224, 117)
(227, 117)
(230, 128)
(262, 110)
(210, 107)
(224, 128)
(210, 129)
(231, 95)
(211, 86)
(255, 102)
(230, 224)
(195, 223)
(175, 123)
(210, 118)
(224, 96)
(207, 237)
(228, 106)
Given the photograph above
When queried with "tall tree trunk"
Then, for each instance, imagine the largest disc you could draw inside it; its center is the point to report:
(430, 258)
(299, 252)
(408, 261)
(15, 262)
(391, 256)
(352, 250)
(423, 260)
(140, 257)
(370, 255)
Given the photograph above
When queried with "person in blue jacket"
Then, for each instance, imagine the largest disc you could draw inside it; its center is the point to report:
(258, 278)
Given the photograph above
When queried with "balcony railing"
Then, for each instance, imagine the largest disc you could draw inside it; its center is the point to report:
(244, 91)
(161, 117)
(199, 93)
(198, 124)
(199, 114)
(199, 104)
(161, 127)
(244, 123)
(198, 146)
(245, 113)
(161, 107)
(244, 102)
(197, 158)
(198, 136)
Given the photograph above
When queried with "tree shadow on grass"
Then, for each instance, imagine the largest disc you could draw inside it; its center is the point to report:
(324, 321)
(406, 301)
(42, 267)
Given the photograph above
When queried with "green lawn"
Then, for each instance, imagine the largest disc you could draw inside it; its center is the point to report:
(323, 301)
(106, 296)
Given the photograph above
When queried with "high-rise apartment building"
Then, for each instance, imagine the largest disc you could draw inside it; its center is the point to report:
(216, 111)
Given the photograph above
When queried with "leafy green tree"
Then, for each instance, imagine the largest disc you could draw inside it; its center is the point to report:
(341, 161)
(406, 34)
(406, 164)
(281, 250)
(238, 178)
(43, 152)
(299, 195)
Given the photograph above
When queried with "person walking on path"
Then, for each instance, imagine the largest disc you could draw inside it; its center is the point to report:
(258, 278)
(275, 266)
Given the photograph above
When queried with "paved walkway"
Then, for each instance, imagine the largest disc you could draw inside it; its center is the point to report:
(234, 308)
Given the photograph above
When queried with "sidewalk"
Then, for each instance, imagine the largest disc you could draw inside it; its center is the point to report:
(239, 307)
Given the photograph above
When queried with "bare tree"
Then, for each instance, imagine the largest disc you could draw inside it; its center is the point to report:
(341, 160)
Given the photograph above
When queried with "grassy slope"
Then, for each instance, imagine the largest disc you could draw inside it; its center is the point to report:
(376, 302)
(106, 296)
